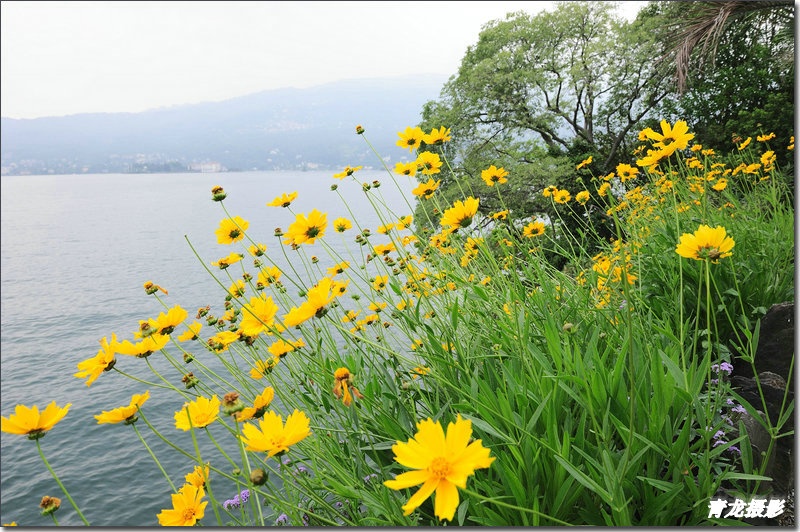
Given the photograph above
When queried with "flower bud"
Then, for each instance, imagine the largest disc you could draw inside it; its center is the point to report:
(49, 505)
(258, 477)
(569, 327)
(359, 130)
(334, 186)
(187, 357)
(218, 194)
(189, 380)
(202, 311)
(278, 231)
(231, 403)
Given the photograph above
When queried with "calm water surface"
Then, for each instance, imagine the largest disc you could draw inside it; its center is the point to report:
(75, 253)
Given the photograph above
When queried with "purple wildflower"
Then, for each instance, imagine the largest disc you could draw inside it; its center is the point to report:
(369, 478)
(738, 408)
(245, 495)
(719, 434)
(282, 520)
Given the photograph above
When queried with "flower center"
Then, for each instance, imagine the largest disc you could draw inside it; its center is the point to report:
(439, 467)
(312, 232)
(188, 514)
(234, 233)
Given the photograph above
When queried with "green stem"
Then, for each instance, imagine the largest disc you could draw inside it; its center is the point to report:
(60, 485)
(171, 485)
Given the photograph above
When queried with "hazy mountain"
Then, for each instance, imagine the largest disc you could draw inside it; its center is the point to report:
(274, 129)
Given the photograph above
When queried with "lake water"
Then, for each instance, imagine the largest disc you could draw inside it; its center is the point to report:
(76, 251)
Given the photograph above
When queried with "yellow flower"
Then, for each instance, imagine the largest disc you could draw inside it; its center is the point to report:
(191, 333)
(263, 367)
(494, 175)
(562, 196)
(440, 462)
(343, 384)
(305, 230)
(379, 283)
(231, 230)
(671, 138)
(342, 224)
(582, 197)
(549, 191)
(791, 143)
(338, 268)
(224, 262)
(271, 275)
(284, 200)
(429, 163)
(705, 243)
(744, 144)
(347, 172)
(166, 323)
(584, 163)
(409, 169)
(426, 190)
(385, 228)
(533, 229)
(28, 420)
(626, 172)
(411, 138)
(765, 138)
(123, 413)
(198, 476)
(260, 404)
(145, 348)
(257, 250)
(318, 297)
(272, 436)
(282, 347)
(460, 214)
(720, 184)
(404, 222)
(500, 215)
(201, 412)
(437, 136)
(103, 361)
(187, 507)
(651, 159)
(258, 316)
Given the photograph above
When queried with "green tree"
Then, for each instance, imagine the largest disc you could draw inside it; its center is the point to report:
(538, 94)
(734, 67)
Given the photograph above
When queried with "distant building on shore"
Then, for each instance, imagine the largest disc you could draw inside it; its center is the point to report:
(206, 167)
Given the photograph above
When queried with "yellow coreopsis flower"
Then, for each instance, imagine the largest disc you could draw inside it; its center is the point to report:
(409, 169)
(198, 476)
(342, 224)
(224, 262)
(460, 214)
(411, 138)
(166, 323)
(192, 332)
(103, 361)
(198, 413)
(626, 172)
(257, 250)
(706, 243)
(187, 507)
(440, 462)
(379, 283)
(305, 230)
(584, 163)
(231, 230)
(260, 404)
(338, 268)
(28, 420)
(582, 197)
(284, 200)
(144, 348)
(429, 163)
(263, 367)
(272, 436)
(562, 196)
(671, 138)
(437, 136)
(426, 190)
(494, 175)
(258, 316)
(534, 229)
(282, 347)
(347, 172)
(343, 385)
(269, 275)
(744, 144)
(124, 413)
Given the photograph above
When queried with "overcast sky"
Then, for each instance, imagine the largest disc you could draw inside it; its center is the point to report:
(60, 58)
